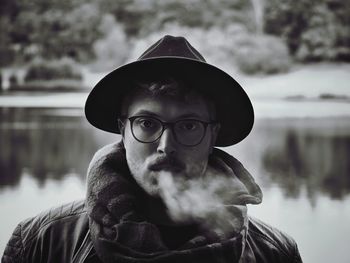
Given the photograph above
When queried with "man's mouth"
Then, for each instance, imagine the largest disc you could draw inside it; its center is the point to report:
(165, 167)
(166, 164)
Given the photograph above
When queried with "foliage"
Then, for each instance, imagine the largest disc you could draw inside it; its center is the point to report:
(7, 12)
(325, 38)
(113, 48)
(313, 30)
(142, 18)
(51, 29)
(53, 70)
(86, 29)
(13, 80)
(262, 54)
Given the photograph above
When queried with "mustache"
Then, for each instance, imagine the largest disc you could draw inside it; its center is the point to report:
(166, 163)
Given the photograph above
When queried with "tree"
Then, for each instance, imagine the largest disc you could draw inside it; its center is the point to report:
(313, 30)
(50, 28)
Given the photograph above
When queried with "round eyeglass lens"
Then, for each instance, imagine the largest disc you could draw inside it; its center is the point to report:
(146, 129)
(189, 132)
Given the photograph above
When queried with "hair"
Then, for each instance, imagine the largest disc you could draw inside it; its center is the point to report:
(166, 87)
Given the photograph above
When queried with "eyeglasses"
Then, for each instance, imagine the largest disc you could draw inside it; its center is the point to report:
(187, 132)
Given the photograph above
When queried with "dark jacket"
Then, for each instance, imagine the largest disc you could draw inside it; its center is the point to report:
(62, 235)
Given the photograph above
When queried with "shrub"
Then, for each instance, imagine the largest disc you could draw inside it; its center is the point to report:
(261, 54)
(313, 30)
(111, 50)
(13, 81)
(53, 70)
(324, 39)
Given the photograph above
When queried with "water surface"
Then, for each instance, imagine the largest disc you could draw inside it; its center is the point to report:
(302, 165)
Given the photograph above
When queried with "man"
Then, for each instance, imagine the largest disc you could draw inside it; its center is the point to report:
(164, 193)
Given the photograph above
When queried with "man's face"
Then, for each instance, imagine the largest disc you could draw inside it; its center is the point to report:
(148, 161)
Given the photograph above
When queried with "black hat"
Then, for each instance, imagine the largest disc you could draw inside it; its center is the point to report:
(174, 56)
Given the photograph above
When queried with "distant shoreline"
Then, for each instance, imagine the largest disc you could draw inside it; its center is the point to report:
(263, 107)
(316, 91)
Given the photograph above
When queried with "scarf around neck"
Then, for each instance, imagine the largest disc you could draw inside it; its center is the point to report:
(122, 233)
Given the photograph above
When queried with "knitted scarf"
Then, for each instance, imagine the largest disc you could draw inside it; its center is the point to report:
(120, 231)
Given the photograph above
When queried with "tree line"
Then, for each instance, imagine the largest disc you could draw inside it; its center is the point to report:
(312, 30)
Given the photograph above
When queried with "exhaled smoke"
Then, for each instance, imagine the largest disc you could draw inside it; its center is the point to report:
(217, 202)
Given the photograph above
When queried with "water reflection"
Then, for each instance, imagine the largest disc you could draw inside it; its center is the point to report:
(311, 156)
(44, 144)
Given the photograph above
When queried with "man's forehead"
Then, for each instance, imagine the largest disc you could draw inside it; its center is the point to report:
(168, 107)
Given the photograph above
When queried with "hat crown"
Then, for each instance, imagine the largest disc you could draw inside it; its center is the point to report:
(170, 46)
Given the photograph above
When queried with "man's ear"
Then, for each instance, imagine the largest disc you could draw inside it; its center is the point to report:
(214, 134)
(121, 127)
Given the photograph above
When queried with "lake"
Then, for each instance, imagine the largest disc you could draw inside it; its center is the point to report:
(302, 165)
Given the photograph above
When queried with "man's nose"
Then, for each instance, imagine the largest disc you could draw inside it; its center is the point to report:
(167, 143)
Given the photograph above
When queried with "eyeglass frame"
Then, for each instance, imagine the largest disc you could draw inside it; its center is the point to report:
(165, 125)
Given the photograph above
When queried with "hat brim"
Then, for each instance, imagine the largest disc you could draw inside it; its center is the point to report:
(234, 110)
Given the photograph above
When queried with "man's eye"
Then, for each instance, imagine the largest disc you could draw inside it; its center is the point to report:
(189, 126)
(147, 123)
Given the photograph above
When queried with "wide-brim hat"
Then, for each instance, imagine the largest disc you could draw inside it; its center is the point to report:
(176, 57)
